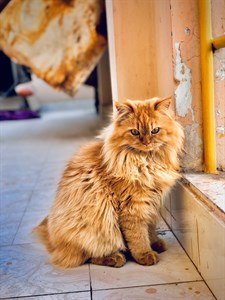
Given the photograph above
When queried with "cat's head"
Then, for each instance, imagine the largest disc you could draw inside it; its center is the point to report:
(146, 125)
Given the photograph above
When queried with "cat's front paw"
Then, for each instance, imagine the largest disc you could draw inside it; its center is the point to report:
(115, 260)
(148, 258)
(159, 246)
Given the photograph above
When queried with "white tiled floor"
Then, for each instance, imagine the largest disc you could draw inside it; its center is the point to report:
(33, 155)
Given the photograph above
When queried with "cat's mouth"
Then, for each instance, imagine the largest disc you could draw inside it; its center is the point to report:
(143, 148)
(139, 149)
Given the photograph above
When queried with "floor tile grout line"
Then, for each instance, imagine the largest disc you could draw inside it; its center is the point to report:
(147, 285)
(45, 294)
(32, 192)
(21, 244)
(23, 213)
(105, 289)
(90, 282)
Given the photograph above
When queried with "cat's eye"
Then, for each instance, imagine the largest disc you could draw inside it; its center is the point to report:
(135, 132)
(155, 130)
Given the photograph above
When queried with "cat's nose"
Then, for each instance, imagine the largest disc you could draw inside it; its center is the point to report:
(146, 141)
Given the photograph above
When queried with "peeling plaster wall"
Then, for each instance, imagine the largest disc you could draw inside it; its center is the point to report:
(183, 96)
(218, 28)
(220, 71)
(187, 88)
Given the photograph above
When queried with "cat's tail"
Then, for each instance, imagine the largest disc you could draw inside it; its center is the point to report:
(42, 232)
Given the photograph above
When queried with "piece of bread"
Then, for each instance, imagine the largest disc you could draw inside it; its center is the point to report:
(57, 39)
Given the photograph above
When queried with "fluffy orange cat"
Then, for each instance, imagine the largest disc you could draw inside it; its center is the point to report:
(111, 191)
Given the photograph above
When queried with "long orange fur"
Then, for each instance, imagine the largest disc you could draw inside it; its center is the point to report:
(111, 191)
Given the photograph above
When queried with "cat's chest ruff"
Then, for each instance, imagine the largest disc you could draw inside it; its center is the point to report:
(134, 168)
(157, 169)
(143, 206)
(147, 172)
(128, 195)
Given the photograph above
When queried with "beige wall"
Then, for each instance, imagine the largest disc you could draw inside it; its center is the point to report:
(141, 65)
(154, 51)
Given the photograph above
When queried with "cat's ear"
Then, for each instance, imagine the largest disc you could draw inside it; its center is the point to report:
(123, 109)
(163, 105)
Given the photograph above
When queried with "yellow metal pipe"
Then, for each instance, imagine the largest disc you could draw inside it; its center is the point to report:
(219, 42)
(208, 110)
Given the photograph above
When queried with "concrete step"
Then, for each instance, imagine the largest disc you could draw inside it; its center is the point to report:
(198, 221)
